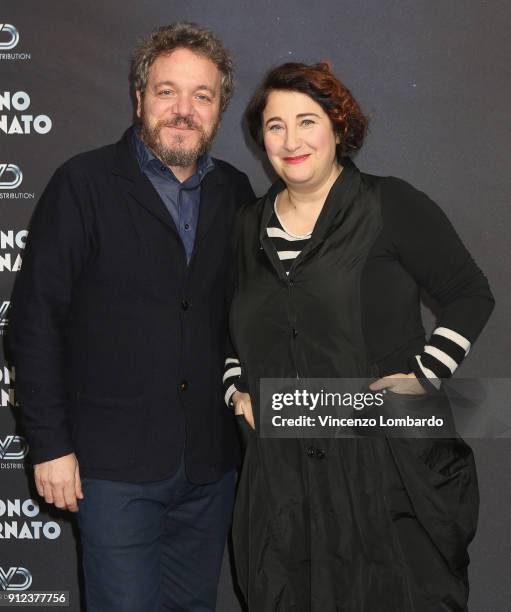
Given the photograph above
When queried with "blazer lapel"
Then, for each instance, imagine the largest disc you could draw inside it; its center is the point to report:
(147, 196)
(140, 188)
(214, 193)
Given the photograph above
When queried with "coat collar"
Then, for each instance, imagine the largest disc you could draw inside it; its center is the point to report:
(335, 209)
(340, 195)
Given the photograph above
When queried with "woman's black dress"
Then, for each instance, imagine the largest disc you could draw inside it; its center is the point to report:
(358, 524)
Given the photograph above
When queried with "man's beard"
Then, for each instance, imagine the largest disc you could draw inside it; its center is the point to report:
(176, 154)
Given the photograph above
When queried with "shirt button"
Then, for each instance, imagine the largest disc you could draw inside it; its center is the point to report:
(187, 227)
(295, 333)
(310, 451)
(183, 386)
(320, 453)
(184, 304)
(163, 168)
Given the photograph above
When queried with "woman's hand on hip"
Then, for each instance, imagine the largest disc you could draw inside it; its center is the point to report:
(243, 405)
(399, 383)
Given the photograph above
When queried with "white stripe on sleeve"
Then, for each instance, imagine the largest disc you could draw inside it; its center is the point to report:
(231, 372)
(442, 357)
(229, 393)
(454, 337)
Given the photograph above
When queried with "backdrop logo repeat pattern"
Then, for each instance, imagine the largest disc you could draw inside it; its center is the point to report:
(11, 176)
(17, 528)
(4, 315)
(13, 448)
(21, 123)
(7, 375)
(12, 38)
(9, 39)
(15, 579)
(11, 243)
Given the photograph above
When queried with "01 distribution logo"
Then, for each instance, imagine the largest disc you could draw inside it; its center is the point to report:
(15, 579)
(9, 39)
(9, 36)
(13, 448)
(11, 176)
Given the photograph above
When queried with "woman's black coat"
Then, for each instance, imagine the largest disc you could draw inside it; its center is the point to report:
(359, 524)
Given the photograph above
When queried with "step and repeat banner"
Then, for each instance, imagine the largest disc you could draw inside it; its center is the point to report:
(434, 78)
(37, 545)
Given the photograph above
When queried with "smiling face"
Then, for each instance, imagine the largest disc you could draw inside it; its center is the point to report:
(180, 107)
(299, 139)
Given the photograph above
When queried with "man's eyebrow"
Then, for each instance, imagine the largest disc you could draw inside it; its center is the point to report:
(206, 87)
(172, 84)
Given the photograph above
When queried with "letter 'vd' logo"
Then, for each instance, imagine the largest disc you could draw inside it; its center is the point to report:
(13, 36)
(13, 448)
(15, 579)
(10, 176)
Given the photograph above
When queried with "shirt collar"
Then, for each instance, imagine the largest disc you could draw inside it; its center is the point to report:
(148, 161)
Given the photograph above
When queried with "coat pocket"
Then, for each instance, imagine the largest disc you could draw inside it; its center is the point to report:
(440, 478)
(106, 431)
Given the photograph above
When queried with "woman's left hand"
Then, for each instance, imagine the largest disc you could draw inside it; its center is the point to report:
(399, 383)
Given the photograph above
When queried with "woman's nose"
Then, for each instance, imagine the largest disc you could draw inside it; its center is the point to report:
(292, 141)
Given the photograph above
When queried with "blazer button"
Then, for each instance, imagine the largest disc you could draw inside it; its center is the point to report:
(295, 333)
(310, 451)
(183, 386)
(184, 304)
(320, 453)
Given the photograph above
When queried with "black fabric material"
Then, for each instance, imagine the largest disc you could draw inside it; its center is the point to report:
(351, 525)
(109, 361)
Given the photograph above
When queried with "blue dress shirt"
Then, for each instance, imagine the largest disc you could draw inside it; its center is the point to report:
(181, 199)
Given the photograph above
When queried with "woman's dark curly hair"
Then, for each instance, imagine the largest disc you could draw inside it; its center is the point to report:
(319, 83)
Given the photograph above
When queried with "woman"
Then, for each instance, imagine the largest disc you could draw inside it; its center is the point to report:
(330, 263)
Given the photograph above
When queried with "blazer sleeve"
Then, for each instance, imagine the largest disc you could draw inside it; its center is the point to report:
(432, 252)
(56, 250)
(246, 193)
(234, 377)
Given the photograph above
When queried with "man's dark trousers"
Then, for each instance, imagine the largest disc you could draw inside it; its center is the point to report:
(154, 546)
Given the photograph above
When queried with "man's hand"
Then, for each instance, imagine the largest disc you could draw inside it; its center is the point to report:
(243, 405)
(399, 383)
(58, 481)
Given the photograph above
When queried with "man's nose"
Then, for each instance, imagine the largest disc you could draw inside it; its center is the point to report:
(183, 105)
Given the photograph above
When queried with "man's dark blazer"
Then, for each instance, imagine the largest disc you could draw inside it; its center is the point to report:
(118, 345)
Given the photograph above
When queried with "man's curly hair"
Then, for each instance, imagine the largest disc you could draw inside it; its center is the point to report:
(183, 35)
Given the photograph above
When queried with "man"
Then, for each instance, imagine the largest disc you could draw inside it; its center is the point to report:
(118, 327)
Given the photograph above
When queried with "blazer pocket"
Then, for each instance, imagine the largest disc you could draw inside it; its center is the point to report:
(106, 431)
